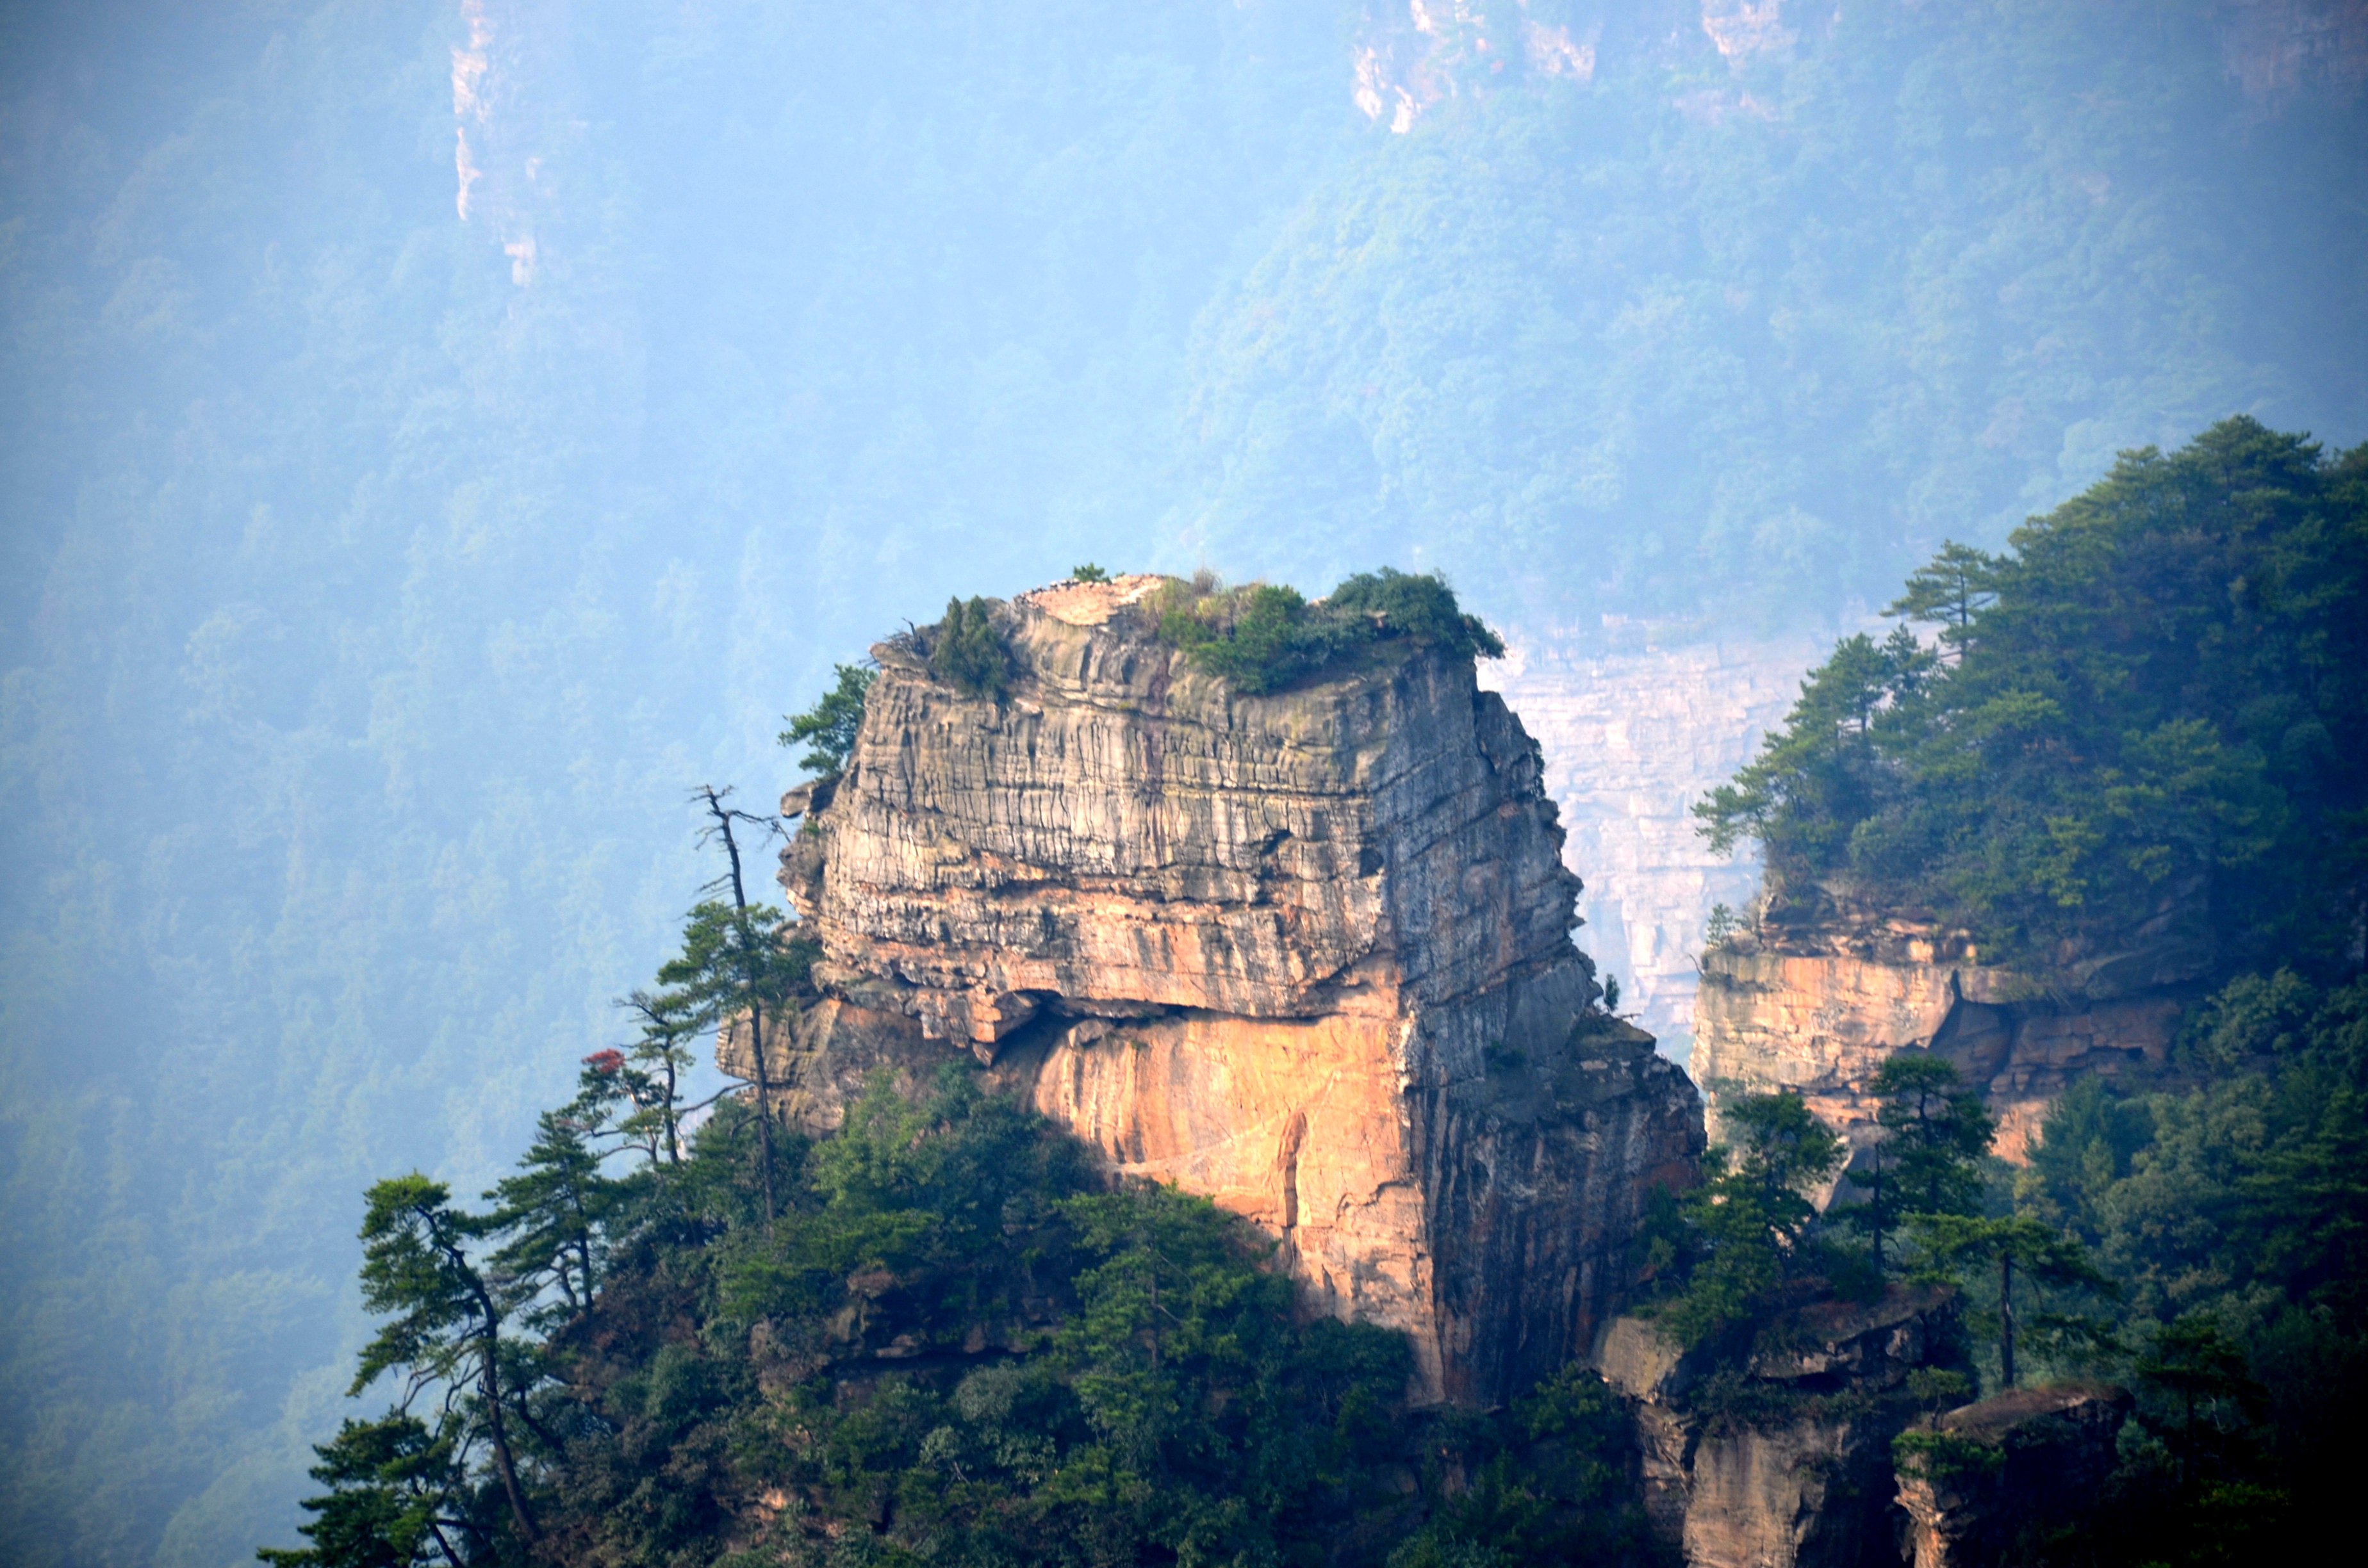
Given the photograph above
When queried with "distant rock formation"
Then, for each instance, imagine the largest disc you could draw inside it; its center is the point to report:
(1307, 953)
(1635, 730)
(1816, 1005)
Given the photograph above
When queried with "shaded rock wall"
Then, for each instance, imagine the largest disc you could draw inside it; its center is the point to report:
(1308, 953)
(1790, 1465)
(2039, 1458)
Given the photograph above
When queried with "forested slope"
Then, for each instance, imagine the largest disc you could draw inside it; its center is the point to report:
(2138, 732)
(438, 438)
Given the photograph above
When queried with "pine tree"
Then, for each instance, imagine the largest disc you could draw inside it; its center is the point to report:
(1951, 590)
(552, 1213)
(1929, 1160)
(1745, 1229)
(1956, 1246)
(445, 1317)
(391, 1482)
(652, 1077)
(830, 726)
(967, 652)
(2197, 1364)
(741, 959)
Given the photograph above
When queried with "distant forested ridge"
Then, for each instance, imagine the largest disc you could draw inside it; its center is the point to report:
(438, 438)
(1776, 300)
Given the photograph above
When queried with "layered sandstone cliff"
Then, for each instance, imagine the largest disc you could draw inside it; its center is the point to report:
(1308, 953)
(1818, 1005)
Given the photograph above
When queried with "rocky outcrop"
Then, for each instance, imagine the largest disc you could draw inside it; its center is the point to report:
(1786, 1463)
(1990, 1478)
(1308, 953)
(1818, 1007)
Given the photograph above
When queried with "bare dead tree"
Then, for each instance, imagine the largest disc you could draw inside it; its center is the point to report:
(724, 819)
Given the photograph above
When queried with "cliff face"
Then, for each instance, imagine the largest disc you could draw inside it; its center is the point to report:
(1307, 953)
(1819, 1006)
(2048, 1455)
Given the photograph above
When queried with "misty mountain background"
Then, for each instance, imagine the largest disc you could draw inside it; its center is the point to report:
(438, 437)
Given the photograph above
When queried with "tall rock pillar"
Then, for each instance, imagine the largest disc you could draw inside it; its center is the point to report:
(1307, 953)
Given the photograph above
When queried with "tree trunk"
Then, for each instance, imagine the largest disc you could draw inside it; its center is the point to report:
(1878, 1212)
(2006, 1318)
(756, 1009)
(674, 1150)
(502, 1461)
(490, 1379)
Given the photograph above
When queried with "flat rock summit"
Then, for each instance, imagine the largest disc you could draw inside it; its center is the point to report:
(1306, 952)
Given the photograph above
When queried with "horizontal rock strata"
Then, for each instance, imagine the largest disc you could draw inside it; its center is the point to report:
(1306, 952)
(1819, 1009)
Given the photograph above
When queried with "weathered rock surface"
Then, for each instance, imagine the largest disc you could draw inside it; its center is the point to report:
(1789, 1466)
(2021, 1464)
(1308, 953)
(1818, 1007)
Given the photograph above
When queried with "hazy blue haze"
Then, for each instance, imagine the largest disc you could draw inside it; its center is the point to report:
(373, 593)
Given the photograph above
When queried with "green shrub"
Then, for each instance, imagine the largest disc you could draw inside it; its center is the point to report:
(1420, 605)
(830, 726)
(1259, 637)
(1262, 637)
(966, 652)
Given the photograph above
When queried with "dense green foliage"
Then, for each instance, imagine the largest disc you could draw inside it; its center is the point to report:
(1732, 330)
(1924, 1205)
(1550, 1481)
(967, 652)
(377, 578)
(390, 1482)
(2240, 1196)
(1732, 1250)
(2145, 727)
(948, 1346)
(2149, 716)
(2215, 1225)
(1262, 637)
(1419, 606)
